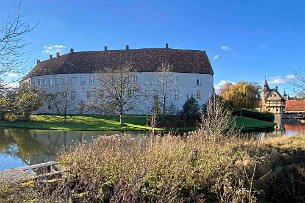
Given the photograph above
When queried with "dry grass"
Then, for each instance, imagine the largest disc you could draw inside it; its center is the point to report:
(175, 169)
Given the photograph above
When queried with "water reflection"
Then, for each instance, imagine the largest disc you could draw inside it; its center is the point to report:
(282, 129)
(36, 146)
(19, 147)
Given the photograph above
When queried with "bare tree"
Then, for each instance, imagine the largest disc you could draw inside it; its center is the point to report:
(62, 101)
(119, 90)
(216, 120)
(12, 44)
(298, 82)
(164, 85)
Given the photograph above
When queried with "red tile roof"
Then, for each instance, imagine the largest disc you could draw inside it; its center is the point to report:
(295, 105)
(143, 60)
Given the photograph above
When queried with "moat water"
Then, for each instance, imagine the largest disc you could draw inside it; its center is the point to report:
(21, 147)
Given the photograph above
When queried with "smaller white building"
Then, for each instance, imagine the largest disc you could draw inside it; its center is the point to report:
(76, 72)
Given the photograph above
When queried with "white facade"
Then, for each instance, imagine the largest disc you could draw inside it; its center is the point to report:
(81, 86)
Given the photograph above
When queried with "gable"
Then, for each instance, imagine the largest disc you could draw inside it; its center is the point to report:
(274, 95)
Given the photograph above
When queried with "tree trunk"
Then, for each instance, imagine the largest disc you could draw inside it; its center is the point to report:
(121, 119)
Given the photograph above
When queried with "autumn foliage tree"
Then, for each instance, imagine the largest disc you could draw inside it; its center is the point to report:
(241, 95)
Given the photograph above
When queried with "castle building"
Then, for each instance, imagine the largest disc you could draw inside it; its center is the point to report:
(191, 74)
(272, 100)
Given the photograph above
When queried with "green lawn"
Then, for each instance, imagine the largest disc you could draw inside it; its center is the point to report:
(90, 123)
(110, 123)
(251, 124)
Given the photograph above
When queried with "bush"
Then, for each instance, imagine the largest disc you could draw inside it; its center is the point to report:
(264, 116)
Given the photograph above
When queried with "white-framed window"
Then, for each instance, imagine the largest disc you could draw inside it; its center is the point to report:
(50, 81)
(39, 82)
(34, 83)
(83, 80)
(175, 78)
(44, 81)
(92, 80)
(133, 79)
(176, 94)
(198, 95)
(66, 80)
(73, 94)
(198, 82)
(73, 80)
(57, 81)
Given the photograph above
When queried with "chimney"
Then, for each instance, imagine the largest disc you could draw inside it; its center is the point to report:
(71, 50)
(50, 57)
(277, 88)
(105, 48)
(37, 61)
(166, 45)
(127, 47)
(57, 55)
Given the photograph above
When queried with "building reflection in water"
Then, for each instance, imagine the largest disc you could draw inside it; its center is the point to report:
(37, 146)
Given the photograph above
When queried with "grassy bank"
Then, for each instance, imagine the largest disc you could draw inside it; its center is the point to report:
(176, 169)
(110, 123)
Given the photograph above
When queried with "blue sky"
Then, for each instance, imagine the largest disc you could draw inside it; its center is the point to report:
(244, 39)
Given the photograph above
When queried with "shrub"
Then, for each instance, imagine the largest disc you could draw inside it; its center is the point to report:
(264, 116)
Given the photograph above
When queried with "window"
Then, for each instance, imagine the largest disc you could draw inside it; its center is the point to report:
(133, 79)
(176, 94)
(146, 81)
(66, 80)
(73, 94)
(82, 80)
(44, 81)
(73, 80)
(92, 79)
(57, 81)
(175, 79)
(199, 82)
(198, 94)
(50, 81)
(34, 83)
(39, 82)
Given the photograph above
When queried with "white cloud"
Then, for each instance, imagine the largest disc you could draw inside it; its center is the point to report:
(225, 47)
(290, 76)
(12, 75)
(221, 83)
(52, 49)
(215, 57)
(279, 80)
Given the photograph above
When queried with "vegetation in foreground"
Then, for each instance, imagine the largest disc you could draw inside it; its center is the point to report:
(175, 169)
(111, 123)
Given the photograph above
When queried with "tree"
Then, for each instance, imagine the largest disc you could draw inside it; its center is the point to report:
(118, 91)
(241, 95)
(163, 85)
(12, 44)
(216, 120)
(28, 101)
(298, 82)
(62, 101)
(190, 111)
